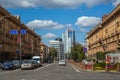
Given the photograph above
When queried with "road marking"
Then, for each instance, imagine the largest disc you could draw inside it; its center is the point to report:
(75, 69)
(22, 79)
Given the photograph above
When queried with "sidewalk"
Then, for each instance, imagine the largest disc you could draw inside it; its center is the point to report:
(80, 66)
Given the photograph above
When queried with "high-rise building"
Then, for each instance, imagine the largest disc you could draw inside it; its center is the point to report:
(58, 45)
(68, 38)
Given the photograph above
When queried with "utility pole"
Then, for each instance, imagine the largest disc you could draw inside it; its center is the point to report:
(20, 48)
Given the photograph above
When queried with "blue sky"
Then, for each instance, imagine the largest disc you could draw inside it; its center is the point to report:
(50, 18)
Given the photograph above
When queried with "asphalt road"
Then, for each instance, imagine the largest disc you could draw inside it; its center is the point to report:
(55, 72)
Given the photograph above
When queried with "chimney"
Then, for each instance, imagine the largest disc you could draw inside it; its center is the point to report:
(17, 16)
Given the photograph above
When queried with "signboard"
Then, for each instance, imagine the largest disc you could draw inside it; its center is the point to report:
(85, 50)
(13, 32)
(23, 31)
(18, 51)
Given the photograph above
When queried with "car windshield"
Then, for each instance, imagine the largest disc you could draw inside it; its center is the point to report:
(7, 62)
(27, 61)
(37, 59)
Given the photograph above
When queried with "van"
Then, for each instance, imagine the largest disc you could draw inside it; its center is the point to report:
(38, 59)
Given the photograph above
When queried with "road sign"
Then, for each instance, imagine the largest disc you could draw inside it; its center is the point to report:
(18, 51)
(23, 31)
(85, 49)
(13, 32)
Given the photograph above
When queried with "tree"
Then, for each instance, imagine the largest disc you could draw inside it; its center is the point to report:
(100, 56)
(77, 52)
(53, 53)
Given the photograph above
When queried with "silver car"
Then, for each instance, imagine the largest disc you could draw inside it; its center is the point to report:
(62, 63)
(27, 64)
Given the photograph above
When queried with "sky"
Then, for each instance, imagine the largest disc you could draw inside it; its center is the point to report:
(50, 18)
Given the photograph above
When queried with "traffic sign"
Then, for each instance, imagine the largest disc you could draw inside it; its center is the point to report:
(13, 32)
(18, 51)
(85, 49)
(23, 31)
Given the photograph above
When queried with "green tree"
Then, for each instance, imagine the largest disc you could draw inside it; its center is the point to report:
(53, 53)
(100, 56)
(77, 52)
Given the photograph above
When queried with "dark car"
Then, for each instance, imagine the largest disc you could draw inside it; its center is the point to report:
(1, 65)
(8, 65)
(36, 64)
(17, 63)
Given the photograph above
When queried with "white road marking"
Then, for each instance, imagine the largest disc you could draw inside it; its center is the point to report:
(22, 79)
(75, 69)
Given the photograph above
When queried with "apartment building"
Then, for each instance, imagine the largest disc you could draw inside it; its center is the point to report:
(105, 37)
(13, 43)
(58, 45)
(44, 51)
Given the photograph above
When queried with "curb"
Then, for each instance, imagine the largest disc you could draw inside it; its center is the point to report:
(102, 71)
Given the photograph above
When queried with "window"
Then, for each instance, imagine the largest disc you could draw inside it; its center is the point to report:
(106, 31)
(117, 24)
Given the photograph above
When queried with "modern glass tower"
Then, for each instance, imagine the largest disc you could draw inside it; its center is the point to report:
(68, 38)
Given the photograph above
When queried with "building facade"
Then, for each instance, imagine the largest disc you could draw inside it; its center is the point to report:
(68, 38)
(44, 51)
(105, 37)
(58, 45)
(15, 44)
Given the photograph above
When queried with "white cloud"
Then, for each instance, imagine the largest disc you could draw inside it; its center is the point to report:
(69, 25)
(50, 3)
(47, 24)
(49, 35)
(86, 21)
(116, 2)
(83, 30)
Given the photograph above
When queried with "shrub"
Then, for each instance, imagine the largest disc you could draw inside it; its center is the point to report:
(101, 64)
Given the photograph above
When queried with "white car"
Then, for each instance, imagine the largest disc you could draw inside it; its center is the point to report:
(62, 63)
(27, 64)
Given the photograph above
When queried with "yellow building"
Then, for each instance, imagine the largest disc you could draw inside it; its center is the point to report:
(105, 37)
(44, 51)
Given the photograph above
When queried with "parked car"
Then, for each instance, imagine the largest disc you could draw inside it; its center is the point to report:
(1, 65)
(36, 64)
(16, 63)
(8, 65)
(62, 63)
(27, 64)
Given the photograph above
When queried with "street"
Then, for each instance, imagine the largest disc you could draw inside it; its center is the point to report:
(55, 72)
